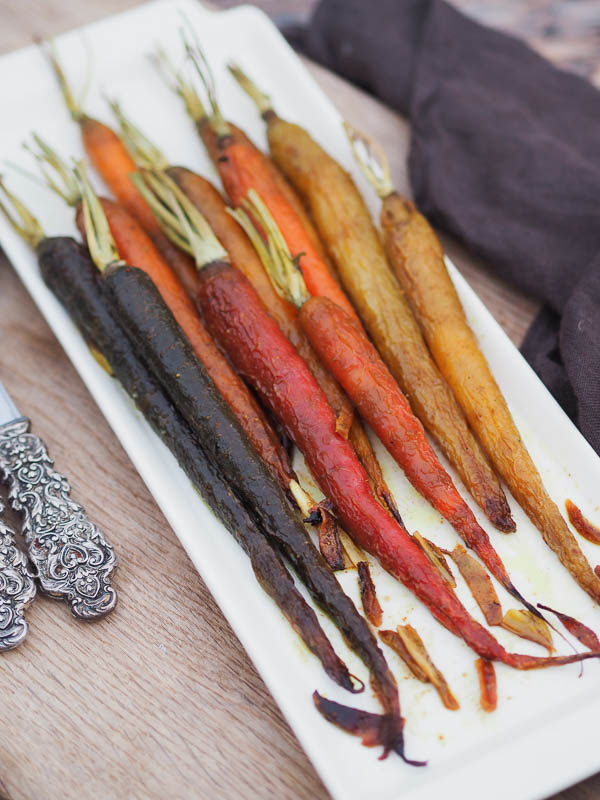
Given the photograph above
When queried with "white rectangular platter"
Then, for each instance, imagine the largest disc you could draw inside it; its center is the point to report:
(543, 736)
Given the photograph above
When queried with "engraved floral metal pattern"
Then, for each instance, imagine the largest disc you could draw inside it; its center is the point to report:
(17, 590)
(72, 558)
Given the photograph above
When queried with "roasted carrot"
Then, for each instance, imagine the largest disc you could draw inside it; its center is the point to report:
(416, 256)
(243, 256)
(345, 225)
(581, 524)
(242, 167)
(153, 330)
(345, 349)
(407, 643)
(114, 164)
(368, 594)
(266, 358)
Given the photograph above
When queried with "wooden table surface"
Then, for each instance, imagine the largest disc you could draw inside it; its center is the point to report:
(159, 700)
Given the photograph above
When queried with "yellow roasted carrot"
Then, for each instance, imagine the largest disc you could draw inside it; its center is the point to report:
(417, 259)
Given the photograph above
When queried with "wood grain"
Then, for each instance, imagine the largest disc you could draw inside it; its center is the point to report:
(159, 700)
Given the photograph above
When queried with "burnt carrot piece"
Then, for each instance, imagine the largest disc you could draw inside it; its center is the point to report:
(480, 585)
(522, 623)
(417, 259)
(68, 271)
(109, 156)
(256, 345)
(581, 632)
(371, 728)
(344, 223)
(243, 256)
(487, 684)
(407, 643)
(153, 330)
(582, 525)
(368, 594)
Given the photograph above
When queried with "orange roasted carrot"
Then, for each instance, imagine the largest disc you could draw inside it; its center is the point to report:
(109, 156)
(243, 167)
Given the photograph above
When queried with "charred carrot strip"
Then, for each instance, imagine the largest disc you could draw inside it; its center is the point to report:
(581, 632)
(417, 258)
(266, 358)
(368, 594)
(487, 684)
(347, 230)
(581, 524)
(109, 156)
(407, 643)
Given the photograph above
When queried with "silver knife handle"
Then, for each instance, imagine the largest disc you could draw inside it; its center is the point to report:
(72, 558)
(17, 590)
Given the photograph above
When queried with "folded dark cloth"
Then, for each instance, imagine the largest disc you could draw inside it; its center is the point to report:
(505, 154)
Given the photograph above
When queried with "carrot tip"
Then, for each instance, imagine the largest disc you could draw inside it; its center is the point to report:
(383, 730)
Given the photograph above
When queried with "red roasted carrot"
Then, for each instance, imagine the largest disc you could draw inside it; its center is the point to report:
(268, 361)
(109, 156)
(266, 358)
(356, 364)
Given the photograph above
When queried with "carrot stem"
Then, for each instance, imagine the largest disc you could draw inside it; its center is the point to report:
(24, 223)
(100, 242)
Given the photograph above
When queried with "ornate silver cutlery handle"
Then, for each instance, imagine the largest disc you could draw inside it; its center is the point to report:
(72, 558)
(17, 590)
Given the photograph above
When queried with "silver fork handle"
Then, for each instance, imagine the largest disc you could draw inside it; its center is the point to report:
(17, 590)
(72, 559)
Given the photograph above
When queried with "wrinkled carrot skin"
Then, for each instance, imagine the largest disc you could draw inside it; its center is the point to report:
(243, 256)
(416, 256)
(368, 595)
(111, 159)
(260, 351)
(358, 367)
(136, 247)
(345, 226)
(242, 167)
